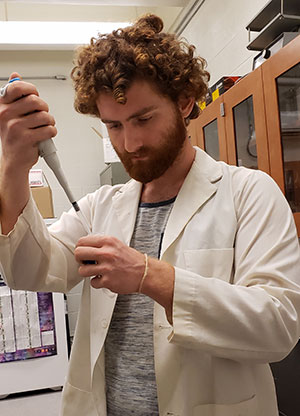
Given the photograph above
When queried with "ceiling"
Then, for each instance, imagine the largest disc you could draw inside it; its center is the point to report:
(171, 11)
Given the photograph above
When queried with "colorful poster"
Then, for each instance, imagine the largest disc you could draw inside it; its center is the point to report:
(27, 325)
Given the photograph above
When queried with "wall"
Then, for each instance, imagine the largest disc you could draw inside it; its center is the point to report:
(219, 34)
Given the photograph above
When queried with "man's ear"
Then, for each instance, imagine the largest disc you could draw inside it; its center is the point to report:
(185, 105)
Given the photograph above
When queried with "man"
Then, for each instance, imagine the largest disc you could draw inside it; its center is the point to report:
(201, 259)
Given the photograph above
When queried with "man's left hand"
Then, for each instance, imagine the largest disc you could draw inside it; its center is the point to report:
(117, 267)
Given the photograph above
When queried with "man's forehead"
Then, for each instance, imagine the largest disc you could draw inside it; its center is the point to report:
(138, 87)
(141, 97)
(129, 116)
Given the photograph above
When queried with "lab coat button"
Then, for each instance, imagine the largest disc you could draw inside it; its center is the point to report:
(104, 323)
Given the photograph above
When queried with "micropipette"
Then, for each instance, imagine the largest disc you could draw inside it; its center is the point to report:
(48, 152)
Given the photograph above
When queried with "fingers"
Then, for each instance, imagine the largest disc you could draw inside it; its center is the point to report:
(3, 90)
(18, 89)
(28, 104)
(88, 259)
(96, 254)
(90, 270)
(86, 255)
(38, 119)
(120, 266)
(24, 114)
(32, 120)
(23, 100)
(92, 261)
(23, 106)
(32, 130)
(14, 75)
(98, 282)
(95, 240)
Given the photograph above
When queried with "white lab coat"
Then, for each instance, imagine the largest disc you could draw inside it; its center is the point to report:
(232, 240)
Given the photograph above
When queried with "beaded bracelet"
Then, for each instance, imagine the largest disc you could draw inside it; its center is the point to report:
(145, 273)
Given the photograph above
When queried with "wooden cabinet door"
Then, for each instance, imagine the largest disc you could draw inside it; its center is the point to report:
(208, 131)
(281, 78)
(245, 123)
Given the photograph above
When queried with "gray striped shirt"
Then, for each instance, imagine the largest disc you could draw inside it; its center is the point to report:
(129, 355)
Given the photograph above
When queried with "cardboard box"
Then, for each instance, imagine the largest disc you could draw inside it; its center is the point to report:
(42, 196)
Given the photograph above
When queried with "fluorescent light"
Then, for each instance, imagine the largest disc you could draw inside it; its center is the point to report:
(141, 3)
(53, 33)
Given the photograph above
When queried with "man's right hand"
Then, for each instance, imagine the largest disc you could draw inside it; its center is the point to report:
(24, 122)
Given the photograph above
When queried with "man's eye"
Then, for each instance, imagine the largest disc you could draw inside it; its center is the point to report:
(113, 126)
(144, 119)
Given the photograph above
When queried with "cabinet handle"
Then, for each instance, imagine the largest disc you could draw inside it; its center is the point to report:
(222, 110)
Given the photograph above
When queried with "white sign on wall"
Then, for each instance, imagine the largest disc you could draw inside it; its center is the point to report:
(110, 155)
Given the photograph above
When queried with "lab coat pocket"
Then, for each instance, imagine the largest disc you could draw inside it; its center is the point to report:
(245, 408)
(216, 263)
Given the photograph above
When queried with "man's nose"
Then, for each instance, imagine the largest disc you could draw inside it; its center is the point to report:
(132, 140)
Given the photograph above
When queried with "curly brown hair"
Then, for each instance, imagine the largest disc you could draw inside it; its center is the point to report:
(113, 61)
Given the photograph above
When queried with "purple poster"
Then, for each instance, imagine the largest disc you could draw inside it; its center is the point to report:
(27, 326)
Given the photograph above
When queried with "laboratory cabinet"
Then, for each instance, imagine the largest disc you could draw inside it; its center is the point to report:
(256, 123)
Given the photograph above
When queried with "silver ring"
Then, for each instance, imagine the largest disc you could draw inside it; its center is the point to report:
(3, 90)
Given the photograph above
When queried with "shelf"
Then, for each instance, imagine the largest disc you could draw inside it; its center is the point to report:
(279, 24)
(272, 9)
(264, 16)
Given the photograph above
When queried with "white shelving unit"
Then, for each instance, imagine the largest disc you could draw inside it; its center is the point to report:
(40, 372)
(43, 372)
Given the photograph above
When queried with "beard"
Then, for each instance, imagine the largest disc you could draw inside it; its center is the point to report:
(159, 158)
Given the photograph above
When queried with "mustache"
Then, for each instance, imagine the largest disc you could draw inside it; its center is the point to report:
(143, 151)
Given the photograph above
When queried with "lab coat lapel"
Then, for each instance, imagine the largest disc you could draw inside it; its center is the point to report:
(125, 203)
(198, 187)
